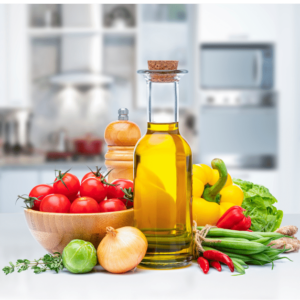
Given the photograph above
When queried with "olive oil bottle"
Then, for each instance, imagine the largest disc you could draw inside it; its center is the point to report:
(162, 174)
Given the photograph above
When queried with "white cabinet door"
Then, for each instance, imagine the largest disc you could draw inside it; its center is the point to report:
(3, 54)
(14, 71)
(18, 73)
(238, 22)
(15, 182)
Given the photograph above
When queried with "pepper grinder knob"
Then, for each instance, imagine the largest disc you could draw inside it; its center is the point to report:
(123, 114)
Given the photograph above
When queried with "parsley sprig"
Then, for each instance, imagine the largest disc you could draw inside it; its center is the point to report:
(47, 262)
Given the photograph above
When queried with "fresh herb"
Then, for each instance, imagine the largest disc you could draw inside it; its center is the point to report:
(47, 262)
(258, 201)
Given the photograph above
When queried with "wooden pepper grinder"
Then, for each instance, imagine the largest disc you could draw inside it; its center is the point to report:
(121, 137)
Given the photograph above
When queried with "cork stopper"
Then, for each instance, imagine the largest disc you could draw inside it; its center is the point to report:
(162, 64)
(167, 65)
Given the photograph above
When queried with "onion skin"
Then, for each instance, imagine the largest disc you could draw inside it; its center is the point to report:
(121, 250)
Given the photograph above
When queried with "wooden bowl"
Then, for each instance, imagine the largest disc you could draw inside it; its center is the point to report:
(55, 230)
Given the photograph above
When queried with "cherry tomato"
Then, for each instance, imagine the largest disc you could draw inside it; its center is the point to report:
(116, 191)
(111, 205)
(128, 203)
(40, 191)
(55, 203)
(73, 197)
(94, 188)
(84, 205)
(96, 174)
(66, 184)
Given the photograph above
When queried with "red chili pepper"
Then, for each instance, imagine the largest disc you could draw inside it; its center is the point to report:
(204, 265)
(235, 219)
(215, 264)
(219, 256)
(249, 230)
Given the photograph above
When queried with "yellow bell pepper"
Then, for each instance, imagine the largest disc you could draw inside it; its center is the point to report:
(213, 192)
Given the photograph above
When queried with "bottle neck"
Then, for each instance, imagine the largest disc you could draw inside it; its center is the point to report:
(163, 99)
(163, 127)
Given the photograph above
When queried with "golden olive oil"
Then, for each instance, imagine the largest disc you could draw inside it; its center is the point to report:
(162, 195)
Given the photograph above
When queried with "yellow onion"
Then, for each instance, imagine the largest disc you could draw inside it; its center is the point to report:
(121, 250)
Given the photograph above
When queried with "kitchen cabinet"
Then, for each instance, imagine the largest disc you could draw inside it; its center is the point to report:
(3, 49)
(238, 22)
(157, 23)
(14, 76)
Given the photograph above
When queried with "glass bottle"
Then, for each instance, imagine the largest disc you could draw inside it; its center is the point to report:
(162, 175)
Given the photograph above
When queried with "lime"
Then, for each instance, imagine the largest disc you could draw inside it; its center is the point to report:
(79, 256)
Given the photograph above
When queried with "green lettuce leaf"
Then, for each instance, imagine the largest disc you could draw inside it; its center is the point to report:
(245, 185)
(279, 216)
(258, 201)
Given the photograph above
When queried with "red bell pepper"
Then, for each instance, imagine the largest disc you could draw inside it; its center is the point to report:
(235, 219)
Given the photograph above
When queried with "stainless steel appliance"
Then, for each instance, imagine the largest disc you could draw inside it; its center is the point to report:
(237, 66)
(238, 105)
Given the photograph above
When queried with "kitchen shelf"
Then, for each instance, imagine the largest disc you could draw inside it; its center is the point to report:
(80, 79)
(58, 31)
(125, 31)
(45, 32)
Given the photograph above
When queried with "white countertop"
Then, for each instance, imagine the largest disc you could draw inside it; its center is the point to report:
(260, 282)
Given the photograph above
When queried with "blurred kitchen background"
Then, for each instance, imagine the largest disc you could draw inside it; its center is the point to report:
(66, 69)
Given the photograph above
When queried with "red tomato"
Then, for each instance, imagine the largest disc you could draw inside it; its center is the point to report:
(96, 174)
(111, 205)
(94, 188)
(128, 203)
(116, 191)
(55, 203)
(40, 191)
(73, 197)
(84, 205)
(69, 188)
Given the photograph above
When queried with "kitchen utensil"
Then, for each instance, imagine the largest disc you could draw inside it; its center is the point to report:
(7, 146)
(88, 146)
